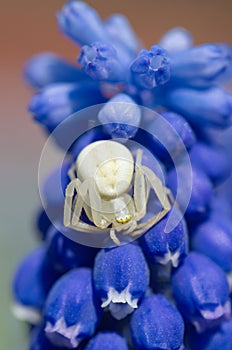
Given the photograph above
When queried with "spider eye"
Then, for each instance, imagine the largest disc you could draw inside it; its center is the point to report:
(124, 220)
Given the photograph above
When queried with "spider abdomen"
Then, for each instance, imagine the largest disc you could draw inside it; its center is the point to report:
(110, 164)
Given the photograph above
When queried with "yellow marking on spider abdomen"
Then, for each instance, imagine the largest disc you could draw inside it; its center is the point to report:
(124, 220)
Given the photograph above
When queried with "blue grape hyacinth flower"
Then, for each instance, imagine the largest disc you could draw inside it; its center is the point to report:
(164, 248)
(72, 312)
(151, 68)
(157, 324)
(107, 340)
(76, 16)
(100, 62)
(201, 66)
(32, 281)
(120, 283)
(171, 104)
(48, 68)
(201, 292)
(213, 238)
(120, 117)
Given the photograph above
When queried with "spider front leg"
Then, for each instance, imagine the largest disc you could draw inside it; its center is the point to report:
(72, 212)
(163, 194)
(69, 213)
(141, 190)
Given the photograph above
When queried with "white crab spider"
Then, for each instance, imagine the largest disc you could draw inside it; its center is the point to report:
(101, 179)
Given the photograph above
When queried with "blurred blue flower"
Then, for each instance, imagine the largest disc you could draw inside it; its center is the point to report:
(213, 238)
(120, 117)
(202, 107)
(169, 136)
(57, 101)
(121, 33)
(201, 193)
(100, 62)
(176, 40)
(47, 68)
(201, 66)
(81, 23)
(202, 154)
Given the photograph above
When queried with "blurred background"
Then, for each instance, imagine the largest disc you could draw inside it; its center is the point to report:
(28, 27)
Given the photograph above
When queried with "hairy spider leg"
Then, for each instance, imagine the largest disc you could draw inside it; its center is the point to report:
(162, 193)
(141, 192)
(73, 186)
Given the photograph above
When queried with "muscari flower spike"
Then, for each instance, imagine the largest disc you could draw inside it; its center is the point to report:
(185, 85)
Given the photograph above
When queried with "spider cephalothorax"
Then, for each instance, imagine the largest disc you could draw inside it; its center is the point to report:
(113, 190)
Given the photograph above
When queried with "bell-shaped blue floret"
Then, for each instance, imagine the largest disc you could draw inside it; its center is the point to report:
(202, 107)
(201, 66)
(157, 325)
(213, 238)
(121, 278)
(150, 68)
(176, 40)
(169, 135)
(202, 154)
(100, 61)
(107, 340)
(72, 312)
(200, 193)
(201, 291)
(163, 248)
(81, 23)
(48, 68)
(213, 339)
(58, 101)
(66, 254)
(32, 281)
(120, 116)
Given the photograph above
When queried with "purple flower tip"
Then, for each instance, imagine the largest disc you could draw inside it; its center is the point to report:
(151, 68)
